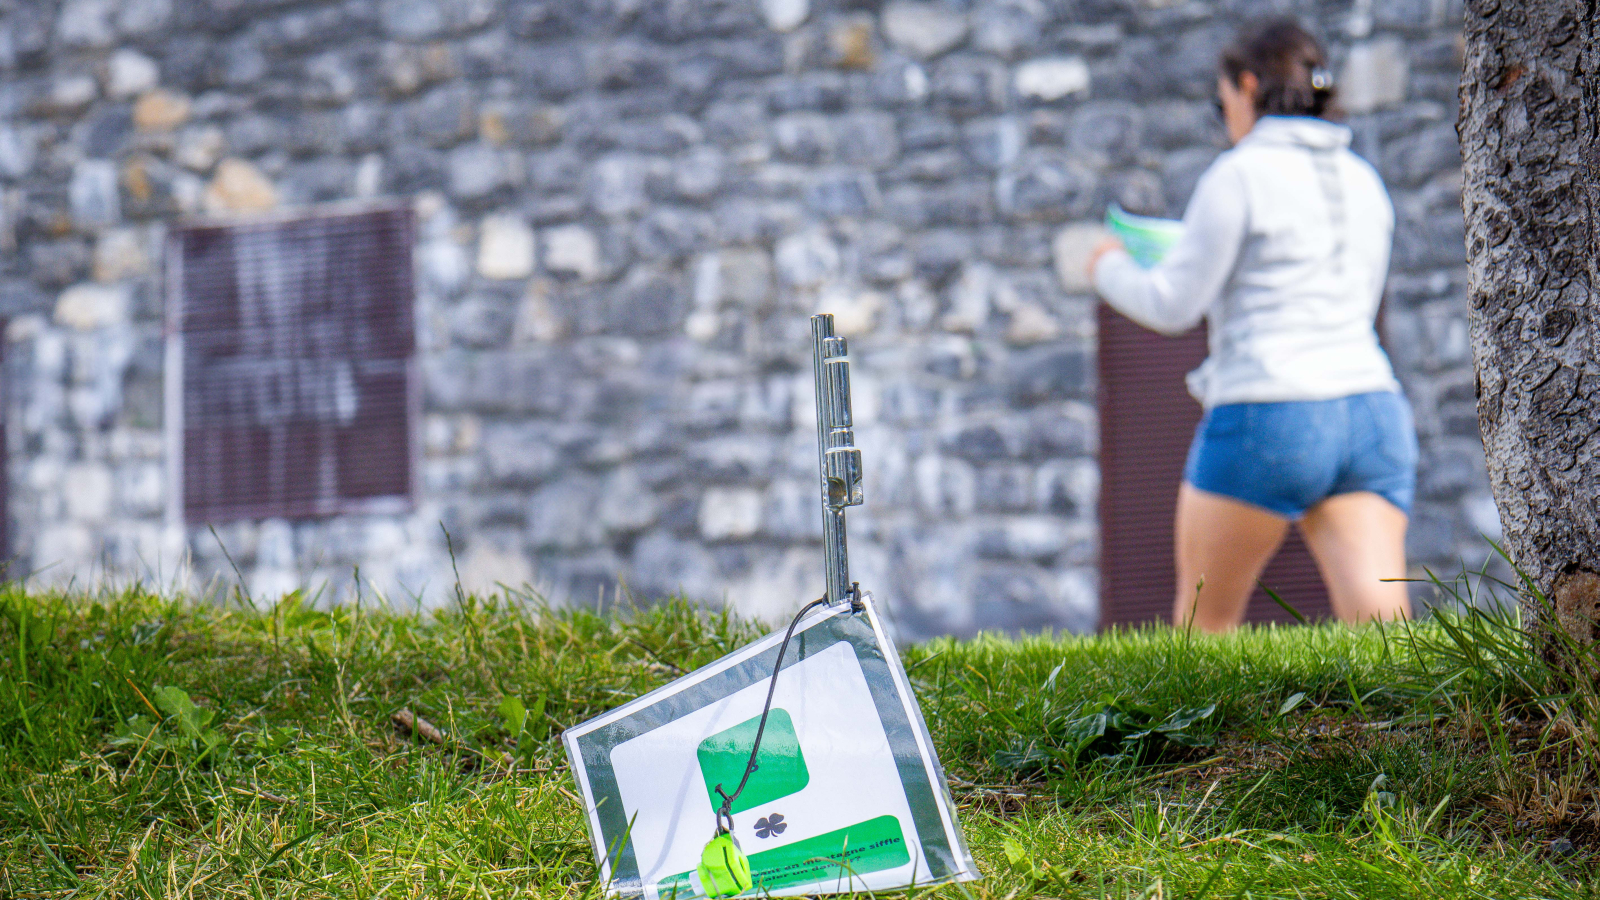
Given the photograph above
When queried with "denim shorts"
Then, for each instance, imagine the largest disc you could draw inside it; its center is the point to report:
(1287, 457)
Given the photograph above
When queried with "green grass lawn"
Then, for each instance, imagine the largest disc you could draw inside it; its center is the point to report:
(155, 748)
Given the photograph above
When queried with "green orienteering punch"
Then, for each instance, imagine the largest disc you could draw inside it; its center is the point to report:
(724, 869)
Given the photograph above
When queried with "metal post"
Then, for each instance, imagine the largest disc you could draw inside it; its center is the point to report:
(837, 457)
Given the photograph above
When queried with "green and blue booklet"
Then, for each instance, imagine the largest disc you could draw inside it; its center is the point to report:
(1146, 238)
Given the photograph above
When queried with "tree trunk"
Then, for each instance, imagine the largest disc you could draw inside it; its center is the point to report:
(1530, 142)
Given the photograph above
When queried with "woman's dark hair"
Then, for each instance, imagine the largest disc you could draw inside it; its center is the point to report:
(1290, 66)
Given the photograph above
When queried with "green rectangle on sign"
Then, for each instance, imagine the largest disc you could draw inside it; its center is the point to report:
(780, 766)
(870, 846)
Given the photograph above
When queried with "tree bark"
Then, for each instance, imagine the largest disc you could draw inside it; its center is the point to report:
(1530, 143)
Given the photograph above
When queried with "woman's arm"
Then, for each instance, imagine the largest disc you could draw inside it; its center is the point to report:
(1172, 297)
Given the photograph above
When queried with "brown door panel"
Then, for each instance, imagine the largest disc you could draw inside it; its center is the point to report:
(1147, 420)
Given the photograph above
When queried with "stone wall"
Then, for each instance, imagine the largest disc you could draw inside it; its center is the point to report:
(626, 211)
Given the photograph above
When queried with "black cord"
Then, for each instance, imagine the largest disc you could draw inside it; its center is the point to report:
(726, 810)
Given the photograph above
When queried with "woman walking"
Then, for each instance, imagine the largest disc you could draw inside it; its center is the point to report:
(1284, 251)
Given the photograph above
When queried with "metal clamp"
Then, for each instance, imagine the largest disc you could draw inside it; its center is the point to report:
(838, 458)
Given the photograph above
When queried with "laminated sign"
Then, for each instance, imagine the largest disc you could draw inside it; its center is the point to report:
(846, 795)
(799, 764)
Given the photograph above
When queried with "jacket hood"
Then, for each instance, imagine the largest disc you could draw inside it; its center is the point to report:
(1299, 131)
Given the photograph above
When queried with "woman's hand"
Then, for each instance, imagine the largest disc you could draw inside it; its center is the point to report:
(1106, 245)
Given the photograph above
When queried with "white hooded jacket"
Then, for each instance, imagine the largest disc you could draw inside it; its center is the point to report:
(1284, 250)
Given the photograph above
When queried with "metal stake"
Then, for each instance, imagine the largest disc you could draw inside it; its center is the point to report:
(837, 456)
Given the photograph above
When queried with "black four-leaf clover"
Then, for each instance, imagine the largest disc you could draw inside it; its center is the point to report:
(771, 825)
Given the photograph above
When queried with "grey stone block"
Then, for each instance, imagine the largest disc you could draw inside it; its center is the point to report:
(818, 91)
(1008, 30)
(868, 139)
(557, 170)
(1418, 157)
(1004, 487)
(1051, 78)
(1182, 172)
(136, 18)
(93, 194)
(1011, 598)
(690, 19)
(769, 403)
(56, 263)
(616, 185)
(313, 133)
(923, 29)
(980, 444)
(1429, 533)
(698, 174)
(626, 505)
(1175, 125)
(481, 322)
(663, 564)
(1449, 469)
(962, 205)
(791, 512)
(804, 137)
(1066, 430)
(931, 166)
(624, 64)
(1109, 131)
(1428, 241)
(444, 116)
(969, 85)
(1067, 488)
(842, 194)
(921, 131)
(938, 255)
(745, 221)
(497, 382)
(1048, 185)
(416, 20)
(1374, 75)
(561, 515)
(1048, 373)
(945, 486)
(253, 133)
(1441, 53)
(646, 303)
(542, 19)
(1139, 191)
(907, 404)
(102, 135)
(18, 150)
(668, 233)
(736, 122)
(478, 170)
(661, 135)
(744, 278)
(87, 23)
(993, 144)
(1026, 246)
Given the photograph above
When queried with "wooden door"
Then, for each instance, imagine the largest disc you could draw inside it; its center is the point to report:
(1147, 420)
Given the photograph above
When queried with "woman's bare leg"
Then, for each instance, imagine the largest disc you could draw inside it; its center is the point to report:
(1358, 540)
(1224, 543)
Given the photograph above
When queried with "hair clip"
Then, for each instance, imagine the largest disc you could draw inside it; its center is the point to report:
(1321, 79)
